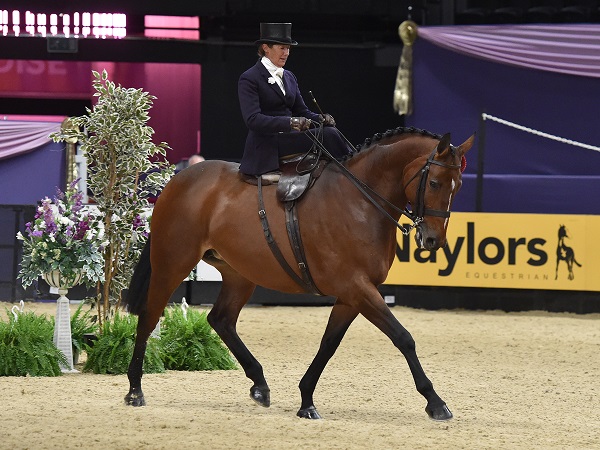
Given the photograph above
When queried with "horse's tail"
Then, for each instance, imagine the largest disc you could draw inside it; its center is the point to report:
(137, 295)
(575, 261)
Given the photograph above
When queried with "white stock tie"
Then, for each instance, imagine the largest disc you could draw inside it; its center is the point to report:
(279, 75)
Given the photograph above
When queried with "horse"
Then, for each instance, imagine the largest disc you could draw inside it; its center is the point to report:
(207, 212)
(565, 253)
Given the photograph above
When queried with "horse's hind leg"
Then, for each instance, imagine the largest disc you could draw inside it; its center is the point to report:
(169, 268)
(377, 312)
(339, 320)
(235, 292)
(158, 297)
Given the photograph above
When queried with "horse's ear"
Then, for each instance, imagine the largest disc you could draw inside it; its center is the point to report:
(466, 146)
(444, 144)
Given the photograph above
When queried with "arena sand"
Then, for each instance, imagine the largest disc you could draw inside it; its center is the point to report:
(512, 380)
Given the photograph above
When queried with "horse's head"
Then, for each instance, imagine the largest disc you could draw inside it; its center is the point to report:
(431, 183)
(562, 232)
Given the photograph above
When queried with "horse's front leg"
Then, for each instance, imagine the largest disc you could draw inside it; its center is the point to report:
(377, 312)
(569, 261)
(339, 320)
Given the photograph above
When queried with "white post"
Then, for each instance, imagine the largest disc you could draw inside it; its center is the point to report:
(62, 330)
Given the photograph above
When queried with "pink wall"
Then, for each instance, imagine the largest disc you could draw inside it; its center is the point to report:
(175, 116)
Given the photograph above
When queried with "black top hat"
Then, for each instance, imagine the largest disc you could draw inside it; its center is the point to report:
(278, 33)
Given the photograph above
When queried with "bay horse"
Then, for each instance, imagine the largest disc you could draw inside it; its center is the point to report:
(207, 212)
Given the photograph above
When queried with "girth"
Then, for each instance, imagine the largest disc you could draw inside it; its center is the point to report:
(305, 280)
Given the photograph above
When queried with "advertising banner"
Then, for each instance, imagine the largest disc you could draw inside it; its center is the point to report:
(514, 251)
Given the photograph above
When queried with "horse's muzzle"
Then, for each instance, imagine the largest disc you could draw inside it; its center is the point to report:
(427, 242)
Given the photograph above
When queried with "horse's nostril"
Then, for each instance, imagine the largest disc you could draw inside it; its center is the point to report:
(430, 243)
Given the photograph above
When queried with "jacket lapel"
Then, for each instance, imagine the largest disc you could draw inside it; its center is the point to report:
(266, 75)
(287, 84)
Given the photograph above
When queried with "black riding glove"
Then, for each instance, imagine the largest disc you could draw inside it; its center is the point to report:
(328, 119)
(299, 123)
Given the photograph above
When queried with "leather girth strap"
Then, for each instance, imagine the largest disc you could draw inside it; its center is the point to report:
(306, 282)
(293, 229)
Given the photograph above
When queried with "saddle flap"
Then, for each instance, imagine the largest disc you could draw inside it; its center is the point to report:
(291, 187)
(297, 173)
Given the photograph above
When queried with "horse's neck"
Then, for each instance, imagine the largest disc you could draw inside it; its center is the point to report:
(382, 166)
(561, 238)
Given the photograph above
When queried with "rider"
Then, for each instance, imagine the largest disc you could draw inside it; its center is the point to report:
(273, 108)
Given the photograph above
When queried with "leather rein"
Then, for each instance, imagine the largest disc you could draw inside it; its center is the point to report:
(421, 211)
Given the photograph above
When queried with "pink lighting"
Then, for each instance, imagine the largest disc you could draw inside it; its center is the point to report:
(176, 27)
(79, 24)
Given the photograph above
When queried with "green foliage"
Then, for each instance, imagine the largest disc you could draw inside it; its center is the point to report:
(113, 350)
(81, 324)
(189, 343)
(124, 168)
(26, 347)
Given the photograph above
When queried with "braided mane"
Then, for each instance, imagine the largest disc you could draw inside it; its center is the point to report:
(402, 130)
(396, 131)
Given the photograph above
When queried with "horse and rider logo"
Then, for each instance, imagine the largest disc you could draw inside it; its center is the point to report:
(565, 253)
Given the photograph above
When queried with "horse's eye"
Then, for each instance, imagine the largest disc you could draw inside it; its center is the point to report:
(433, 184)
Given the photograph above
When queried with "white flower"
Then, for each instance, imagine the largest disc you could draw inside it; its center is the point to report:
(272, 80)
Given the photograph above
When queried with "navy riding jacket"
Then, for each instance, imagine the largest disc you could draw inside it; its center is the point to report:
(266, 112)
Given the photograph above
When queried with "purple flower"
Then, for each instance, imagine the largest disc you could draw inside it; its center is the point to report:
(60, 195)
(77, 203)
(51, 226)
(138, 222)
(37, 233)
(81, 230)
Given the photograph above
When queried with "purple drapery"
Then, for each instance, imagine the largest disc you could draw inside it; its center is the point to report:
(21, 137)
(570, 49)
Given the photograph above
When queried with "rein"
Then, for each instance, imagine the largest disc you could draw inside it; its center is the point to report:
(369, 193)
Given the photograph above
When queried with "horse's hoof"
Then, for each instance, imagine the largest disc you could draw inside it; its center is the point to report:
(135, 400)
(439, 413)
(309, 413)
(261, 396)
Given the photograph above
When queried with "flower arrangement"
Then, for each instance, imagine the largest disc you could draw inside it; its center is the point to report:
(63, 237)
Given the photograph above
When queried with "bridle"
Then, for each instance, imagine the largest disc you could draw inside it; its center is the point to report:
(418, 215)
(420, 210)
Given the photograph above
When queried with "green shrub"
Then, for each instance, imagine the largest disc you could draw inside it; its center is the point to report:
(26, 346)
(113, 350)
(191, 344)
(81, 324)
